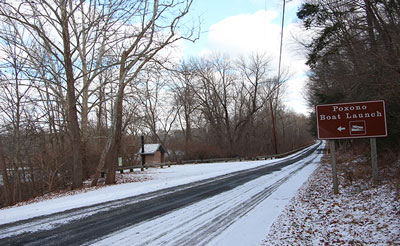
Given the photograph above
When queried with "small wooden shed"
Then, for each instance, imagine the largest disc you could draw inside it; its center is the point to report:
(154, 153)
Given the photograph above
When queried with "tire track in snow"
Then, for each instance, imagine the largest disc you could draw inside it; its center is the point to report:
(211, 229)
(115, 216)
(193, 224)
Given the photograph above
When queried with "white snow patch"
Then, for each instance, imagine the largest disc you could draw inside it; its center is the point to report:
(359, 215)
(230, 218)
(253, 227)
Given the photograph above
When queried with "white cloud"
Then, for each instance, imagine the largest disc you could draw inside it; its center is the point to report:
(260, 32)
(294, 3)
(244, 33)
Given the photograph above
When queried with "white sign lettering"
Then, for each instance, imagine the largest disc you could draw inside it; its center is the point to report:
(363, 115)
(330, 117)
(349, 108)
(350, 115)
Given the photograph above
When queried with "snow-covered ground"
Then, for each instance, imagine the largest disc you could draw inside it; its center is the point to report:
(277, 209)
(362, 214)
(251, 208)
(241, 216)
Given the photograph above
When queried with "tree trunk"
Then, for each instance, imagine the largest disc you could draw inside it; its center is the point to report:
(117, 137)
(72, 110)
(6, 183)
(99, 126)
(84, 130)
(188, 132)
(109, 155)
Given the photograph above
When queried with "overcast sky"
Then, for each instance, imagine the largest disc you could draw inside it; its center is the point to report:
(240, 27)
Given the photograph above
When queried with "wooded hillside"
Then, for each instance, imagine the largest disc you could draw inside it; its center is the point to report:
(355, 55)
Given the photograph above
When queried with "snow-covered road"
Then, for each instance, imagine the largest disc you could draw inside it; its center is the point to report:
(207, 222)
(240, 215)
(201, 223)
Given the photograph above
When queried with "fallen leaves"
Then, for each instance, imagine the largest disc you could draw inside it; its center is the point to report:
(366, 215)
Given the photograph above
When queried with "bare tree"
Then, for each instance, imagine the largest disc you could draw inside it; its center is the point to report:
(15, 97)
(155, 32)
(159, 112)
(38, 18)
(231, 93)
(184, 100)
(92, 29)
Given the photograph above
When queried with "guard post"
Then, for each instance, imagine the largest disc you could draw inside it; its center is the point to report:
(142, 154)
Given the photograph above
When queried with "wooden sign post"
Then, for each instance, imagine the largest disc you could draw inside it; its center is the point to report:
(374, 160)
(333, 164)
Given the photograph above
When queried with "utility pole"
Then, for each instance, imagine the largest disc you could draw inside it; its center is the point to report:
(273, 126)
(279, 74)
(281, 44)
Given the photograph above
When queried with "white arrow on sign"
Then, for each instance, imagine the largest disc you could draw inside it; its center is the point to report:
(340, 128)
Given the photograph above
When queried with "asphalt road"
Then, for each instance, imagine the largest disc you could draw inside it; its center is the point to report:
(90, 223)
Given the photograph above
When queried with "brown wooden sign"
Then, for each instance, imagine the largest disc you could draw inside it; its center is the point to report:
(351, 120)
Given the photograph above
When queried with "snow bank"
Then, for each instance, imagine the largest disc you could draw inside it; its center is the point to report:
(357, 216)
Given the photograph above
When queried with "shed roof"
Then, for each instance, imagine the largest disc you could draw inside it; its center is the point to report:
(150, 149)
